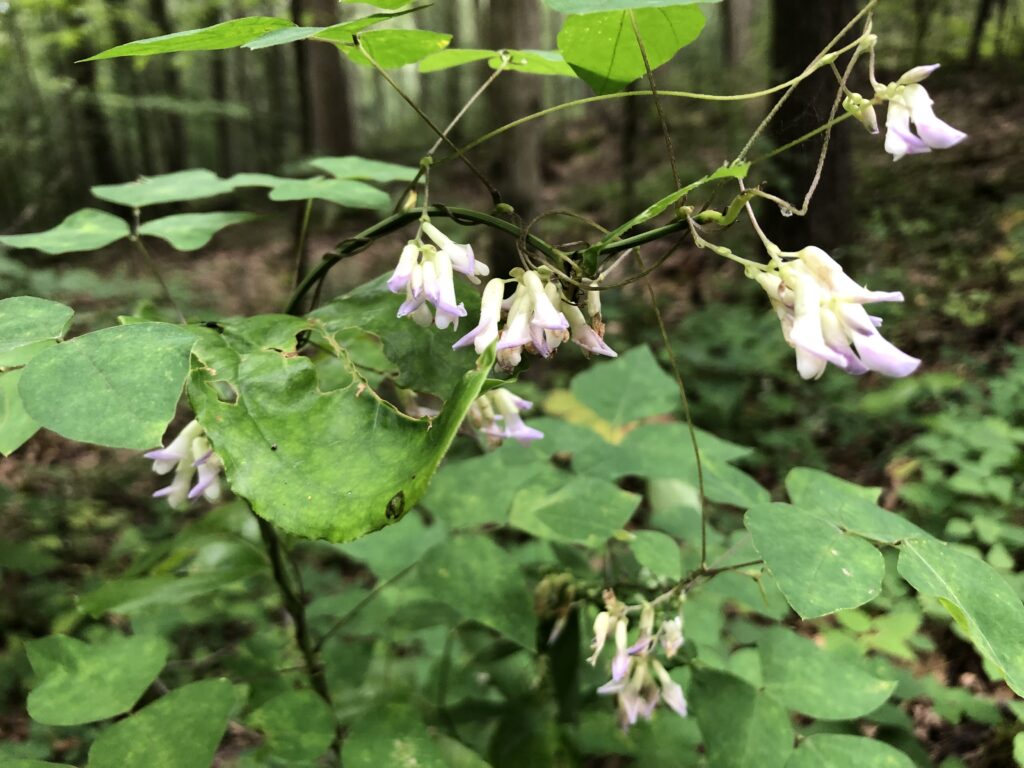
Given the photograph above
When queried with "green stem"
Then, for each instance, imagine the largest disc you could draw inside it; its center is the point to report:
(396, 221)
(300, 247)
(657, 101)
(140, 246)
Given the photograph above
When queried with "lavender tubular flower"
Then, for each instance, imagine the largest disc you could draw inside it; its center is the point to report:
(461, 256)
(909, 102)
(188, 454)
(486, 331)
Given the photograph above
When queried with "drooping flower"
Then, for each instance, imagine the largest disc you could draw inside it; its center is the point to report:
(497, 414)
(672, 636)
(461, 256)
(671, 691)
(909, 102)
(821, 310)
(426, 276)
(188, 454)
(486, 331)
(583, 335)
(532, 323)
(863, 110)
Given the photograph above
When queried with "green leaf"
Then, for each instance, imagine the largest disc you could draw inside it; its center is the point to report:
(602, 47)
(629, 388)
(192, 231)
(179, 730)
(130, 595)
(584, 510)
(336, 33)
(83, 683)
(738, 171)
(352, 167)
(393, 549)
(805, 678)
(534, 63)
(597, 6)
(983, 604)
(298, 725)
(177, 187)
(228, 34)
(820, 568)
(117, 387)
(392, 48)
(28, 325)
(742, 727)
(453, 57)
(19, 763)
(479, 491)
(851, 507)
(424, 356)
(16, 426)
(363, 463)
(86, 230)
(659, 553)
(835, 750)
(347, 193)
(388, 4)
(394, 736)
(482, 582)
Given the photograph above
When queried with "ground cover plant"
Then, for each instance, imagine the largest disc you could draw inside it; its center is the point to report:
(576, 574)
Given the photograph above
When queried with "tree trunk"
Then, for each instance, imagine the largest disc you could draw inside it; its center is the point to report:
(177, 145)
(516, 163)
(331, 127)
(799, 30)
(737, 31)
(984, 12)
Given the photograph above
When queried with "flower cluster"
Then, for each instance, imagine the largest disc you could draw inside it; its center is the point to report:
(822, 314)
(189, 454)
(639, 680)
(908, 103)
(537, 319)
(496, 414)
(426, 273)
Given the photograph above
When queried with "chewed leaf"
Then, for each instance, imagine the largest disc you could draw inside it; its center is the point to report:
(331, 464)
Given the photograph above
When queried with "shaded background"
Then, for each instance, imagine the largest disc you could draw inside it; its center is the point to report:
(947, 229)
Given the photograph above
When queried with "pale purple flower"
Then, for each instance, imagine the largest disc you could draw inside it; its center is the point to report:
(407, 263)
(583, 335)
(621, 660)
(671, 691)
(486, 331)
(188, 454)
(672, 636)
(497, 414)
(544, 313)
(461, 256)
(823, 318)
(909, 102)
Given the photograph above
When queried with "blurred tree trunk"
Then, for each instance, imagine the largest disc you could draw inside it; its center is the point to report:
(737, 30)
(302, 83)
(177, 145)
(129, 82)
(515, 166)
(329, 101)
(924, 12)
(981, 17)
(799, 31)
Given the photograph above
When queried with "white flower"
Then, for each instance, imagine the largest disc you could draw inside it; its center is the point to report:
(583, 335)
(407, 263)
(461, 256)
(672, 636)
(909, 102)
(671, 691)
(603, 624)
(187, 454)
(863, 110)
(821, 312)
(426, 276)
(486, 331)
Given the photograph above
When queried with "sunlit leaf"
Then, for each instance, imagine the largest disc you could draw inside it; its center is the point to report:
(86, 230)
(453, 57)
(192, 231)
(228, 34)
(335, 33)
(597, 6)
(117, 386)
(805, 678)
(392, 48)
(820, 568)
(352, 167)
(180, 186)
(602, 47)
(179, 730)
(347, 193)
(979, 599)
(28, 325)
(85, 682)
(534, 63)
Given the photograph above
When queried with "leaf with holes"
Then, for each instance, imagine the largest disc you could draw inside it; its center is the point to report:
(192, 231)
(228, 34)
(86, 230)
(819, 567)
(603, 50)
(331, 464)
(117, 387)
